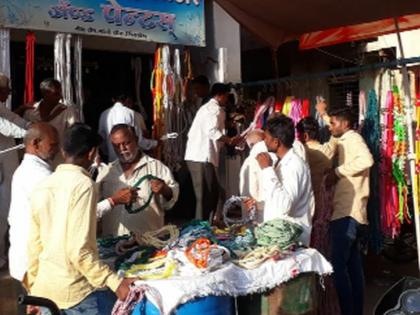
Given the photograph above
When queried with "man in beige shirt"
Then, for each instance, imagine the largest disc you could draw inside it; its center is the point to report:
(349, 219)
(63, 262)
(157, 189)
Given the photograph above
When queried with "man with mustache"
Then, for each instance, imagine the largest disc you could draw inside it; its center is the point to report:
(156, 188)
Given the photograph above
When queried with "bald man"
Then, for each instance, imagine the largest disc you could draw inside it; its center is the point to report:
(41, 146)
(11, 126)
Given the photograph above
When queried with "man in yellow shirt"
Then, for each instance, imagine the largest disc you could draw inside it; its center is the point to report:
(63, 258)
(349, 219)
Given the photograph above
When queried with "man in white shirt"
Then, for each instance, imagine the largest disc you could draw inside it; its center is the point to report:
(205, 138)
(52, 111)
(156, 188)
(41, 146)
(119, 113)
(11, 126)
(286, 184)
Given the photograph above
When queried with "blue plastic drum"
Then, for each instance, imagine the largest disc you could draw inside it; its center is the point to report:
(210, 305)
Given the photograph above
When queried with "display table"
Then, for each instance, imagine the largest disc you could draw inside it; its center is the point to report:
(231, 280)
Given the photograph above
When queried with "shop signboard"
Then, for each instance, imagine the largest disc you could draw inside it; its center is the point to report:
(163, 21)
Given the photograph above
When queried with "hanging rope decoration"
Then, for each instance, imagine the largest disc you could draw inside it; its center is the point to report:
(416, 184)
(371, 132)
(29, 68)
(400, 157)
(78, 71)
(157, 93)
(129, 207)
(237, 203)
(159, 238)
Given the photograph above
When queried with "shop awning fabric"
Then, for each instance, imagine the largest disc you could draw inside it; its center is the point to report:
(279, 21)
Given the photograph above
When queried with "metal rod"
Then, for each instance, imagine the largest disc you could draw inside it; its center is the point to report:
(411, 149)
(351, 70)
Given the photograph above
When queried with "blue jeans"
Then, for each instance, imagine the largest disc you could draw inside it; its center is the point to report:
(98, 302)
(347, 236)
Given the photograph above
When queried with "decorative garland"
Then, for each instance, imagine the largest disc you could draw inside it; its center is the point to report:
(399, 160)
(29, 68)
(205, 255)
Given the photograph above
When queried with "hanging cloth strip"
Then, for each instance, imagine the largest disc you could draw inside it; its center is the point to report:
(62, 65)
(135, 296)
(29, 68)
(388, 192)
(362, 107)
(371, 132)
(306, 108)
(5, 57)
(259, 114)
(78, 75)
(296, 111)
(287, 105)
(129, 207)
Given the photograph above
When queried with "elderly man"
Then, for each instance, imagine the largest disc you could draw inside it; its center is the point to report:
(50, 110)
(11, 126)
(157, 189)
(121, 113)
(41, 146)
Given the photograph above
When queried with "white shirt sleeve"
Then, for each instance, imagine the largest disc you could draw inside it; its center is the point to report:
(14, 118)
(103, 208)
(9, 129)
(280, 194)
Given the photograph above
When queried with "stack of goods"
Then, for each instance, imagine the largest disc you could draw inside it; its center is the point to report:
(197, 248)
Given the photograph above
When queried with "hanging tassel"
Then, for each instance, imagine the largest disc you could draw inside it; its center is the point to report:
(5, 57)
(371, 132)
(78, 84)
(29, 68)
(67, 86)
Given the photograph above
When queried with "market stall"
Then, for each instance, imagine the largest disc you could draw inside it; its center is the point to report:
(177, 266)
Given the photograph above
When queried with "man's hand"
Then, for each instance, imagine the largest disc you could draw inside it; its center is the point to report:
(235, 140)
(125, 196)
(332, 177)
(159, 187)
(124, 288)
(264, 160)
(250, 203)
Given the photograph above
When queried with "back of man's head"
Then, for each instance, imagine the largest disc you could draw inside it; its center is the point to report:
(282, 128)
(49, 85)
(42, 140)
(309, 126)
(79, 140)
(254, 137)
(219, 89)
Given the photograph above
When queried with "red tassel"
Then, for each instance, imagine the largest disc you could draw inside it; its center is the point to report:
(29, 69)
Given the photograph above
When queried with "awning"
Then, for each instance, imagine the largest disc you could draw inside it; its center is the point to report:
(278, 21)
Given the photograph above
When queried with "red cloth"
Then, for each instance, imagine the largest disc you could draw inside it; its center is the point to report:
(29, 68)
(306, 108)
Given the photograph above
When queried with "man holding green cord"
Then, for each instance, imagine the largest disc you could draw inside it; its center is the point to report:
(156, 188)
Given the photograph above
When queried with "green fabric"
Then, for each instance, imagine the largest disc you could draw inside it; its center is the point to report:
(129, 207)
(278, 232)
